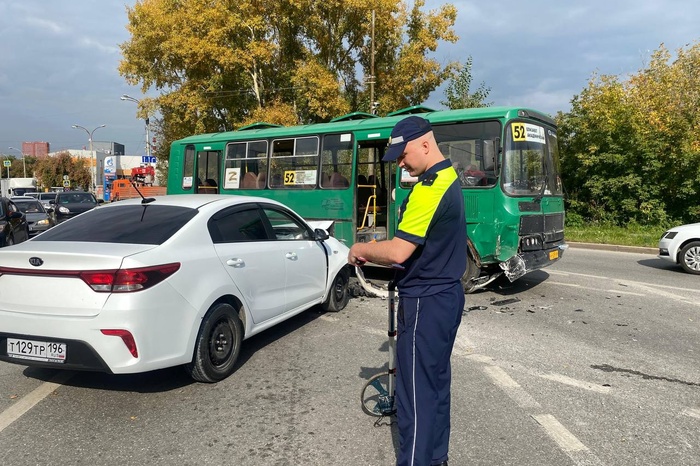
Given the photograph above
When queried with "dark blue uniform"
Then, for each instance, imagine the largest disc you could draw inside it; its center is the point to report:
(431, 301)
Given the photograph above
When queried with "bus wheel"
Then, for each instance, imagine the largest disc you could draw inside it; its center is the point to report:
(470, 275)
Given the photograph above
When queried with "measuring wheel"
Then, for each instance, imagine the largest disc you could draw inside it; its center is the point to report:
(376, 398)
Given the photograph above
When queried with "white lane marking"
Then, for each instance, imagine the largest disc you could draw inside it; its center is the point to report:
(328, 318)
(462, 346)
(16, 411)
(589, 288)
(559, 433)
(572, 285)
(665, 294)
(692, 412)
(632, 293)
(511, 387)
(576, 383)
(623, 282)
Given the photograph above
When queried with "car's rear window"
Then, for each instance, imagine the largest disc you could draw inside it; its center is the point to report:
(29, 207)
(132, 224)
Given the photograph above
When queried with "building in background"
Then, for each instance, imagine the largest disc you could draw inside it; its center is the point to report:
(107, 147)
(36, 149)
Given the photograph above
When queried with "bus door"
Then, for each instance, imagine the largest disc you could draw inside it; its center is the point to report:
(208, 169)
(373, 188)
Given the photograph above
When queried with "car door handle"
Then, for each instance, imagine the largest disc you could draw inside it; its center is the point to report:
(235, 262)
(291, 256)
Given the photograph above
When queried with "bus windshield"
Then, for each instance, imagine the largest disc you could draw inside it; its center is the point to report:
(531, 161)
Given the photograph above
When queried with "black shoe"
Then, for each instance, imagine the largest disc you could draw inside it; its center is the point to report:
(444, 463)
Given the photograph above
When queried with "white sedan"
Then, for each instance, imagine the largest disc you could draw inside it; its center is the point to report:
(173, 280)
(681, 245)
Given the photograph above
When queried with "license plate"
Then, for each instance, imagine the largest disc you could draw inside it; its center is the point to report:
(43, 351)
(553, 255)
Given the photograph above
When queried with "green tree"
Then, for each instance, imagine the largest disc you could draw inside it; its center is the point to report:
(220, 63)
(49, 171)
(458, 93)
(630, 149)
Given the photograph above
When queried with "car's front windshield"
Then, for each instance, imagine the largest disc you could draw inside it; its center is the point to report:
(76, 198)
(531, 161)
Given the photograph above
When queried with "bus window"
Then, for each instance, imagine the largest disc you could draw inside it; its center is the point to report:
(208, 172)
(294, 163)
(464, 144)
(245, 166)
(336, 161)
(524, 167)
(188, 168)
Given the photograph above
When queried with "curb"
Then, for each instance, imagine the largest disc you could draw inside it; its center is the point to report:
(614, 247)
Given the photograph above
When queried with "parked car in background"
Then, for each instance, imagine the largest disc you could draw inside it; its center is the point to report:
(38, 219)
(13, 223)
(46, 198)
(175, 280)
(68, 204)
(681, 245)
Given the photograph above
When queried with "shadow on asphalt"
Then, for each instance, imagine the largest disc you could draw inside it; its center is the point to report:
(172, 378)
(660, 264)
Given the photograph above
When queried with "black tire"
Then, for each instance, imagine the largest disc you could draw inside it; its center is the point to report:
(339, 294)
(218, 345)
(689, 257)
(470, 274)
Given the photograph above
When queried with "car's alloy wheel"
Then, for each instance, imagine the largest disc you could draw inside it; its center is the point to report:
(690, 257)
(218, 345)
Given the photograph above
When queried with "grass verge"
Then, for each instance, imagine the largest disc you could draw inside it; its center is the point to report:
(632, 235)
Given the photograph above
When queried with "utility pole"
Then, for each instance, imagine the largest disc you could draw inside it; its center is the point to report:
(372, 103)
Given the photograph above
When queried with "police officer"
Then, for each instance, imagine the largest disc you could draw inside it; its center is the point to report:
(430, 245)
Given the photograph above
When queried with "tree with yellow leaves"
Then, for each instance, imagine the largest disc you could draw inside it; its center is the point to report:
(630, 148)
(222, 64)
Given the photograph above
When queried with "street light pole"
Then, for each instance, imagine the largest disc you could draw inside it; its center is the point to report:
(92, 153)
(23, 164)
(148, 136)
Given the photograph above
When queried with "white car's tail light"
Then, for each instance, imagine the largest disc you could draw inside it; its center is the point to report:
(108, 281)
(128, 280)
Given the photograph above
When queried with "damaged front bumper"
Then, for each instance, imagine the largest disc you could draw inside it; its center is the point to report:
(526, 262)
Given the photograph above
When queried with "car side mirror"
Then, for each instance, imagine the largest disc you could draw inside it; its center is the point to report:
(320, 234)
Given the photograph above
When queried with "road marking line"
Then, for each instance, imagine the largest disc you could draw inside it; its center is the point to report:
(662, 293)
(576, 383)
(559, 433)
(16, 411)
(572, 285)
(692, 412)
(625, 292)
(625, 282)
(328, 318)
(511, 387)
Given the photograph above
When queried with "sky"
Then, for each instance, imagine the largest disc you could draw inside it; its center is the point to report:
(59, 59)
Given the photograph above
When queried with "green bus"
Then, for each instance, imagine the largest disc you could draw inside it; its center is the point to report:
(507, 159)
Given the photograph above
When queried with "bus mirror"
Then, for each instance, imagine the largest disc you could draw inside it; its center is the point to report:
(490, 154)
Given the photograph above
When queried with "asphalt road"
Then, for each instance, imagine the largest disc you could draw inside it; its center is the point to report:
(594, 360)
